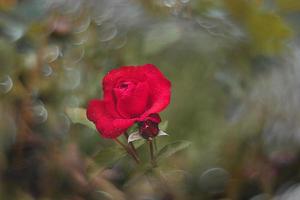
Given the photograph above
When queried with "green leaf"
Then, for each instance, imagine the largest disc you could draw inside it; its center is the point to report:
(109, 155)
(132, 128)
(134, 137)
(171, 149)
(139, 143)
(163, 125)
(78, 115)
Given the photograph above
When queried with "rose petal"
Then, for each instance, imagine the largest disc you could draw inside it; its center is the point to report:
(132, 102)
(106, 124)
(160, 89)
(112, 78)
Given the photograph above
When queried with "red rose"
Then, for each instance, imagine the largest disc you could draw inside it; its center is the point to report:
(131, 94)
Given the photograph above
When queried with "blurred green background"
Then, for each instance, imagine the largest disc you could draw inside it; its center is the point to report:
(234, 67)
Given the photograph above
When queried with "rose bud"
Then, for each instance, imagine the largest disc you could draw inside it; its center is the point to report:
(149, 128)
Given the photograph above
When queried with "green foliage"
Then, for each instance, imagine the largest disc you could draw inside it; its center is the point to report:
(109, 155)
(171, 149)
(78, 115)
(159, 37)
(164, 125)
(267, 31)
(288, 5)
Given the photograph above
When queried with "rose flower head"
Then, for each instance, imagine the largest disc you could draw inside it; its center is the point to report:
(131, 94)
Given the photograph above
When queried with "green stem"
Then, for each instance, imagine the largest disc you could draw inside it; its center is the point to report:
(155, 145)
(128, 150)
(153, 161)
(131, 145)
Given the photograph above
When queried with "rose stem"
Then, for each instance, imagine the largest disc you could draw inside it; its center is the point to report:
(128, 150)
(155, 145)
(153, 162)
(131, 145)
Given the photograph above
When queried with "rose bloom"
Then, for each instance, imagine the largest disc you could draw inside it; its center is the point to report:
(131, 94)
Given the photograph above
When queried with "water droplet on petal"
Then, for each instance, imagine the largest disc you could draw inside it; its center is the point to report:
(6, 84)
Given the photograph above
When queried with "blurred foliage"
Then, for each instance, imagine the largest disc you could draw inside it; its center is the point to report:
(266, 29)
(234, 68)
(288, 6)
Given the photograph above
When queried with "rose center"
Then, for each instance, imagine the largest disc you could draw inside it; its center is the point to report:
(123, 85)
(131, 98)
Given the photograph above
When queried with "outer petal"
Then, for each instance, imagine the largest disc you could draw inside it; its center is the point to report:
(160, 89)
(106, 124)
